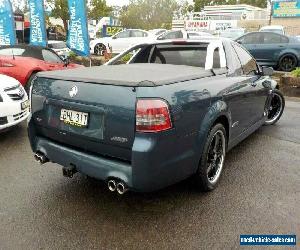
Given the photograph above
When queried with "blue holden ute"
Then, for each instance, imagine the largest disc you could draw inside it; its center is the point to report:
(171, 112)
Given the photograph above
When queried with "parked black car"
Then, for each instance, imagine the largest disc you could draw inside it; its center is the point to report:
(171, 113)
(272, 49)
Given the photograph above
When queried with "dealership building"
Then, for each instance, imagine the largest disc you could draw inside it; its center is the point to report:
(235, 12)
(220, 17)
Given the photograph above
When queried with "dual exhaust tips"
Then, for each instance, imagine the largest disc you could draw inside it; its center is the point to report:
(113, 185)
(118, 186)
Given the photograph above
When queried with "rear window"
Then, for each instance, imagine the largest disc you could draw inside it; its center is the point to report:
(182, 55)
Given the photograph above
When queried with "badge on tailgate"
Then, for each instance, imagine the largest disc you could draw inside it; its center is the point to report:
(75, 118)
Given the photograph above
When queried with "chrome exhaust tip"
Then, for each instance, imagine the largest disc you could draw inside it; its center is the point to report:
(37, 158)
(112, 186)
(121, 188)
(40, 158)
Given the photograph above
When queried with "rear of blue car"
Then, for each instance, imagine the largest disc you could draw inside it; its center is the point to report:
(108, 132)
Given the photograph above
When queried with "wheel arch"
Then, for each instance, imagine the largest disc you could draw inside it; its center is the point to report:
(218, 112)
(34, 71)
(223, 119)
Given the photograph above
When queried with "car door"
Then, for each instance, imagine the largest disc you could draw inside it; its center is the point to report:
(269, 50)
(237, 93)
(120, 41)
(256, 94)
(252, 42)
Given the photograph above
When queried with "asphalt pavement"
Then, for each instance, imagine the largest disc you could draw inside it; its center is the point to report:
(259, 193)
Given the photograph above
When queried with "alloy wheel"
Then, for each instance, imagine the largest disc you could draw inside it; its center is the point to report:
(99, 49)
(216, 156)
(275, 108)
(288, 63)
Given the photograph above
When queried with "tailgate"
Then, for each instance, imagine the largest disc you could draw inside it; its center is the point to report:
(92, 117)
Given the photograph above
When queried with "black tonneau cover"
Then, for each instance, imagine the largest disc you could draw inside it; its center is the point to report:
(140, 74)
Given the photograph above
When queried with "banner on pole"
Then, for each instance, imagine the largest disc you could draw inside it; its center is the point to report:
(78, 36)
(7, 24)
(38, 36)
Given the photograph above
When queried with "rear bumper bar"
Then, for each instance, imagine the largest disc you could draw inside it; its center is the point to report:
(155, 162)
(91, 165)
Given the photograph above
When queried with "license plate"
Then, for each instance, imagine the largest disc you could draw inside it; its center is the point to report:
(25, 105)
(75, 118)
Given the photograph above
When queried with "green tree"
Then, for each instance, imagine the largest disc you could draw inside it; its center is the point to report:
(98, 8)
(148, 14)
(185, 8)
(199, 4)
(59, 9)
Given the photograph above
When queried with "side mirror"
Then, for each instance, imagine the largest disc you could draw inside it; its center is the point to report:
(239, 41)
(267, 71)
(66, 61)
(114, 37)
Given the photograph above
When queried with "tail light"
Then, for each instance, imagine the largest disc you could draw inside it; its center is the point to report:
(152, 115)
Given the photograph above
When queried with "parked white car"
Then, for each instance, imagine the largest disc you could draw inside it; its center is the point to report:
(182, 34)
(273, 28)
(14, 103)
(120, 41)
(60, 47)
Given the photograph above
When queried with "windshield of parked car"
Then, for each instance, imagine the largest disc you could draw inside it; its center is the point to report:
(60, 45)
(23, 52)
(51, 57)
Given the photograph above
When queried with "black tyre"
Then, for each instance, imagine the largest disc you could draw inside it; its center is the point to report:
(99, 49)
(276, 107)
(29, 82)
(288, 63)
(212, 159)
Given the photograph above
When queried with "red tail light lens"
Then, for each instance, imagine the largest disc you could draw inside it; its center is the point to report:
(152, 115)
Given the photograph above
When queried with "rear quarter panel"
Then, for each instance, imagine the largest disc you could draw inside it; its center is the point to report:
(194, 106)
(292, 48)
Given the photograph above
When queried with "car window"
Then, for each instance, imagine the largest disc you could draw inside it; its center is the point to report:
(172, 35)
(138, 33)
(247, 61)
(180, 55)
(216, 62)
(281, 32)
(233, 62)
(273, 38)
(254, 38)
(50, 57)
(123, 34)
